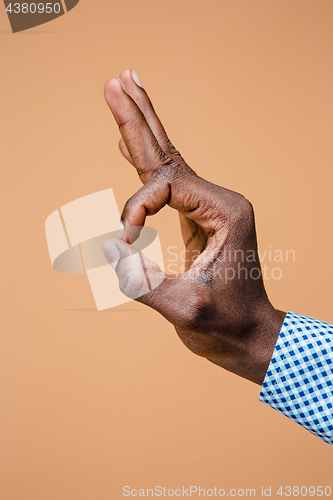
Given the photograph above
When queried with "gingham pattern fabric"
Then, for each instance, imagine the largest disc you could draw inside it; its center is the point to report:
(299, 379)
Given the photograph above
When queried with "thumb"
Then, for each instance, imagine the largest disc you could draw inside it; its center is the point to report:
(137, 275)
(179, 298)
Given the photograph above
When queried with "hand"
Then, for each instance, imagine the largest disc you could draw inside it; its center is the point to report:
(219, 306)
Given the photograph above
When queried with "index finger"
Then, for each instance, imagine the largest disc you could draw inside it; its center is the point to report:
(146, 153)
(134, 87)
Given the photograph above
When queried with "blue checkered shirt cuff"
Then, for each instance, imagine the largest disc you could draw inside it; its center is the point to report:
(299, 379)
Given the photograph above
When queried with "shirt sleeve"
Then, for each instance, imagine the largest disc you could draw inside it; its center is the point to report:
(299, 379)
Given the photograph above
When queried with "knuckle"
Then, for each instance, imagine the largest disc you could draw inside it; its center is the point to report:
(176, 155)
(162, 163)
(130, 205)
(129, 123)
(243, 213)
(171, 150)
(141, 171)
(247, 209)
(168, 168)
(198, 311)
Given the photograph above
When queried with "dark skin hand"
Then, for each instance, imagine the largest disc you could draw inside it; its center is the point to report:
(219, 312)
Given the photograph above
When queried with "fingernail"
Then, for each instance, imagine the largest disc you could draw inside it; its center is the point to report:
(121, 230)
(111, 253)
(122, 86)
(136, 79)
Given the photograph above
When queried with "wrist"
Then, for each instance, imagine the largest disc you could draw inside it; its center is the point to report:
(251, 358)
(262, 342)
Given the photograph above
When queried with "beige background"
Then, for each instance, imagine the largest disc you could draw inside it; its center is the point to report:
(91, 401)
